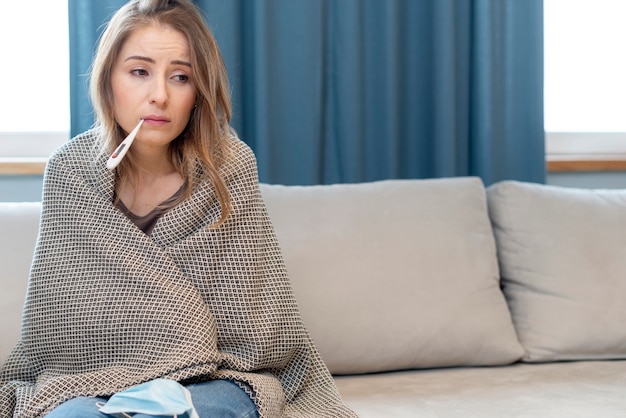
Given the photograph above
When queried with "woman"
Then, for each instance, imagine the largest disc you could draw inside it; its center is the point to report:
(166, 266)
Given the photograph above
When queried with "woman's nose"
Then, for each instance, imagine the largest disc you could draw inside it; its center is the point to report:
(158, 93)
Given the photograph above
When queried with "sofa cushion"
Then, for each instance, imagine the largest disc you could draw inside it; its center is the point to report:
(19, 224)
(582, 389)
(563, 261)
(395, 274)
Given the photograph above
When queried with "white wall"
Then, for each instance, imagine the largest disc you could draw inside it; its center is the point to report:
(589, 180)
(20, 188)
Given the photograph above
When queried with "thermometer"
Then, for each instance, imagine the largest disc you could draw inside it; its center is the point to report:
(121, 150)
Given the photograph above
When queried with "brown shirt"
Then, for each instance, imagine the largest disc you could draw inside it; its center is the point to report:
(147, 222)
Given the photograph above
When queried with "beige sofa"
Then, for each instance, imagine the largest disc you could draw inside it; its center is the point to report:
(439, 298)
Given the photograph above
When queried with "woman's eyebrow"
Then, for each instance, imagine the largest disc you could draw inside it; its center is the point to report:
(181, 62)
(140, 58)
(150, 60)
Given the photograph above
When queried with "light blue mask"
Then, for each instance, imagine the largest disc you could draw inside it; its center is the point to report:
(161, 397)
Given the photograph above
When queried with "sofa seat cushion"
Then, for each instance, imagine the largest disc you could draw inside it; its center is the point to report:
(578, 389)
(395, 274)
(562, 254)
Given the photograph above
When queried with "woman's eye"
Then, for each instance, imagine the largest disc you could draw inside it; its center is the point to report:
(181, 78)
(139, 72)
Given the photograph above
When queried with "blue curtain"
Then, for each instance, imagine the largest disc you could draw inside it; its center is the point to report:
(331, 91)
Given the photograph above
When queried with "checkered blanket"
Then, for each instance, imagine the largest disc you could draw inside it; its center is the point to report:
(109, 307)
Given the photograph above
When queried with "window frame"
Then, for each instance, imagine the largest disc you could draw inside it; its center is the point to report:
(26, 153)
(585, 151)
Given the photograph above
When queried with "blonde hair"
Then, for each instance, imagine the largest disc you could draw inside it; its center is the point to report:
(198, 153)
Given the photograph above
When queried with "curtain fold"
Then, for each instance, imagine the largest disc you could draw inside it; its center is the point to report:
(86, 20)
(328, 91)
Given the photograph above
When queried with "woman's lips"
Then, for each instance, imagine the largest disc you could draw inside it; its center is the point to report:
(155, 120)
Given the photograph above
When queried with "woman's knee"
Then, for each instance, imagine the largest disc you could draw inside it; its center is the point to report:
(221, 398)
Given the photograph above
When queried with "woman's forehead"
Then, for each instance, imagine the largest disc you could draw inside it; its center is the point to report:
(154, 41)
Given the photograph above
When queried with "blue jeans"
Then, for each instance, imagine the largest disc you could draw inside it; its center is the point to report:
(215, 398)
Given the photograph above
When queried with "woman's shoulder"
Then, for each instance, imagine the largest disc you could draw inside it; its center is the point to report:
(82, 149)
(240, 155)
(238, 169)
(240, 148)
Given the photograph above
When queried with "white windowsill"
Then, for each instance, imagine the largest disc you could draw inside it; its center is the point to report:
(586, 151)
(26, 153)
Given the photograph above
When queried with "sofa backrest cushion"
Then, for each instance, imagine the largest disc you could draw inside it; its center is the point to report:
(19, 224)
(563, 262)
(395, 274)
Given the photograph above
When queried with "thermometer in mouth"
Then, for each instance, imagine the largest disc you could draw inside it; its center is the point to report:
(121, 150)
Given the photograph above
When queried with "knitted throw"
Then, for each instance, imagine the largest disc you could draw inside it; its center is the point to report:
(109, 307)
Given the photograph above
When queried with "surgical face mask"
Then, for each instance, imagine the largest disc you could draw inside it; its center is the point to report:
(161, 397)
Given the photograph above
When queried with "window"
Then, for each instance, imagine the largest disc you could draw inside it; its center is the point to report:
(34, 77)
(585, 83)
(585, 78)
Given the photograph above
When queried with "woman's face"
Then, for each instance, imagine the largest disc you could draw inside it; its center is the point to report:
(151, 80)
